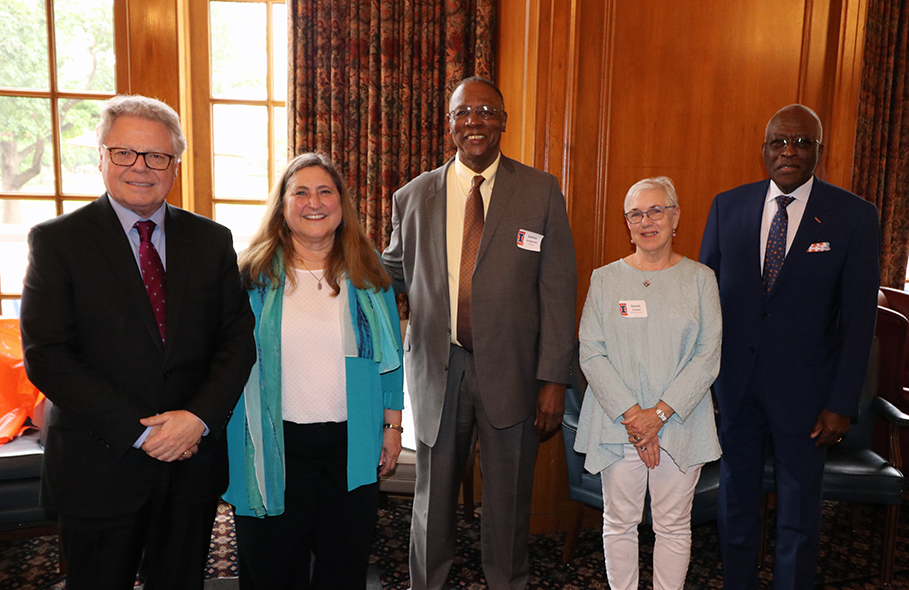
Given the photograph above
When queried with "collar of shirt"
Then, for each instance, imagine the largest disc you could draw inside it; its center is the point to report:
(794, 211)
(465, 175)
(128, 219)
(800, 194)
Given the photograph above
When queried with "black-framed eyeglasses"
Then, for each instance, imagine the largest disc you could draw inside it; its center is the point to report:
(802, 144)
(122, 156)
(483, 112)
(654, 213)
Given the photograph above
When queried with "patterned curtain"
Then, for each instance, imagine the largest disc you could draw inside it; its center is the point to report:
(881, 163)
(369, 82)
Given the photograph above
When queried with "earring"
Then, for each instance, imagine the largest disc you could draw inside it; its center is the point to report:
(673, 233)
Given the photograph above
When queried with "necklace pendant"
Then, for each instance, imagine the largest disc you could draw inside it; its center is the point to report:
(319, 286)
(646, 283)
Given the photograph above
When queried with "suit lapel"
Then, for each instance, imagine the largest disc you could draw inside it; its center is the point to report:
(437, 209)
(180, 248)
(501, 195)
(752, 214)
(114, 246)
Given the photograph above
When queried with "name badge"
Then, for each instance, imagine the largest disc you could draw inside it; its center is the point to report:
(528, 240)
(633, 309)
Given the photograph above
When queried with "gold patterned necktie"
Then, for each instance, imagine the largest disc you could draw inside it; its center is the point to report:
(776, 242)
(473, 231)
(152, 272)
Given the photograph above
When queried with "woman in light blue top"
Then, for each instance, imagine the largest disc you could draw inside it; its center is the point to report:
(650, 348)
(320, 418)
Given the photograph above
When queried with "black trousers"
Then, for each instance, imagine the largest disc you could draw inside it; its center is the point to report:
(321, 519)
(174, 536)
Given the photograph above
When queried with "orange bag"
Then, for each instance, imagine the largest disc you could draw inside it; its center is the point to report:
(18, 397)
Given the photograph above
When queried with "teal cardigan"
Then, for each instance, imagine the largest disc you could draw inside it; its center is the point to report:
(369, 393)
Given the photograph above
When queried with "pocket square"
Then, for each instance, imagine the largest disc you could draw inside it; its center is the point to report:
(819, 247)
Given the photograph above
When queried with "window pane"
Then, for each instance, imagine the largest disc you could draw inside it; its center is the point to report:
(279, 50)
(9, 308)
(78, 119)
(17, 216)
(243, 220)
(238, 50)
(280, 139)
(241, 151)
(23, 46)
(84, 32)
(26, 147)
(70, 206)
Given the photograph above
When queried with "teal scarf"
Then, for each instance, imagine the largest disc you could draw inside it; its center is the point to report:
(263, 455)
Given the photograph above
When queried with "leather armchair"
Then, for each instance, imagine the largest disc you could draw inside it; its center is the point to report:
(853, 472)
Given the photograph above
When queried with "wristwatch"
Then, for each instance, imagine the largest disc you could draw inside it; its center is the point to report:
(661, 415)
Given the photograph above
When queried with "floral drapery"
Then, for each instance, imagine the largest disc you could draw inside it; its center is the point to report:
(369, 83)
(881, 164)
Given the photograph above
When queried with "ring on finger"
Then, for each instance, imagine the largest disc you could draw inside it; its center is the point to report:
(643, 448)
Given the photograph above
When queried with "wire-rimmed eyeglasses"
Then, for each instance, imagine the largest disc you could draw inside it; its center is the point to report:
(483, 112)
(654, 213)
(802, 144)
(122, 156)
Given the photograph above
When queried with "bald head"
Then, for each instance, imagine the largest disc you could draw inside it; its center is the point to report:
(797, 111)
(792, 146)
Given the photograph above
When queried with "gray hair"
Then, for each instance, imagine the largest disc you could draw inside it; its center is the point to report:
(151, 109)
(660, 183)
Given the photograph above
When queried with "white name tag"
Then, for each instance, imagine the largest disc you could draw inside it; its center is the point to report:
(528, 240)
(633, 309)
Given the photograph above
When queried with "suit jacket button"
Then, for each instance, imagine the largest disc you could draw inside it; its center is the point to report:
(764, 315)
(167, 374)
(752, 350)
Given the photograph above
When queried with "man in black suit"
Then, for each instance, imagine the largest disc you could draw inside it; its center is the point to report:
(796, 260)
(135, 326)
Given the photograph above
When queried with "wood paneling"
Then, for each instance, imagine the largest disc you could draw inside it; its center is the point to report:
(603, 93)
(152, 65)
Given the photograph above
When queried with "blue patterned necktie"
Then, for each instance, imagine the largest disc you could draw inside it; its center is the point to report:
(152, 272)
(776, 242)
(473, 231)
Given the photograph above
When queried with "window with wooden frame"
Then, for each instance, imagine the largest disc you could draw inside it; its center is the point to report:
(57, 67)
(238, 52)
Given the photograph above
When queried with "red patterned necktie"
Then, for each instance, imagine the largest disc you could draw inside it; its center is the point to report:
(776, 242)
(152, 272)
(473, 231)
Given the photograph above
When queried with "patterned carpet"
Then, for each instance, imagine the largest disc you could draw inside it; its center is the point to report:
(849, 559)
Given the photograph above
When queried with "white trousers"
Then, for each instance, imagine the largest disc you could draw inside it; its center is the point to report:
(625, 484)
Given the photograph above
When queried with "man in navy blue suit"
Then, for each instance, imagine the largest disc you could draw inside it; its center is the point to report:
(796, 260)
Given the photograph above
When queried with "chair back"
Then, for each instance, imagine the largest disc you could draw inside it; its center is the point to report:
(893, 333)
(577, 386)
(898, 301)
(861, 433)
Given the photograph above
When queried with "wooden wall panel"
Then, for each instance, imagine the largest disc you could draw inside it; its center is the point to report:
(602, 93)
(152, 62)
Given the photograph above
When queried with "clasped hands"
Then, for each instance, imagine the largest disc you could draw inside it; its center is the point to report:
(174, 435)
(643, 426)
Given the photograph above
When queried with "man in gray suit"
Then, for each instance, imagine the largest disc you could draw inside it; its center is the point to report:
(483, 248)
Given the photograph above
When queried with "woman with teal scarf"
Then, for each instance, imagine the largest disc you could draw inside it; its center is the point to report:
(320, 418)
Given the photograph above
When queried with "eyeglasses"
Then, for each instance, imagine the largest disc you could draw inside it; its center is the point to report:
(802, 144)
(484, 112)
(654, 213)
(126, 157)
